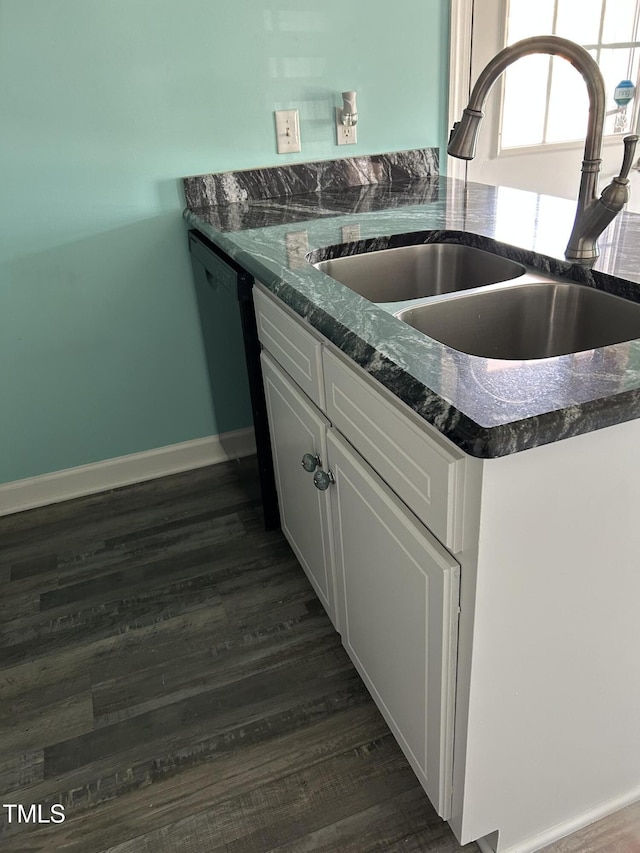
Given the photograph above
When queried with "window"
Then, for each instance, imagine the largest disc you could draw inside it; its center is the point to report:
(553, 91)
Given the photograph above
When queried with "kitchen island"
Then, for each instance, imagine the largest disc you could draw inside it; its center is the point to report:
(526, 680)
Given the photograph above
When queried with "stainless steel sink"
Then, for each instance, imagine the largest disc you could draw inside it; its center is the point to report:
(413, 272)
(527, 321)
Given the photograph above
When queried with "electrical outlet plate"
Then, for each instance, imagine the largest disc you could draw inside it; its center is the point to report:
(287, 131)
(345, 135)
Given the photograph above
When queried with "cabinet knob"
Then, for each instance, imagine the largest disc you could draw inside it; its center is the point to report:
(311, 461)
(323, 479)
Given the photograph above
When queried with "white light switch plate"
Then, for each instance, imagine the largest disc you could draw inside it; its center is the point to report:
(287, 131)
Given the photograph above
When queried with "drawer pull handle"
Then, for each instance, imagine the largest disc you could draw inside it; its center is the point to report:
(311, 461)
(323, 479)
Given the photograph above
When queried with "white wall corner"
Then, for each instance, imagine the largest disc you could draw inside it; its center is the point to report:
(124, 470)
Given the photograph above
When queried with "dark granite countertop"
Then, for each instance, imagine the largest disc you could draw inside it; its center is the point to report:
(488, 407)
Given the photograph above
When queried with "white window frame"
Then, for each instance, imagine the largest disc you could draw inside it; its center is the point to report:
(460, 27)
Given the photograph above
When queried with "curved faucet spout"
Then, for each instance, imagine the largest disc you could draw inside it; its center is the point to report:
(462, 142)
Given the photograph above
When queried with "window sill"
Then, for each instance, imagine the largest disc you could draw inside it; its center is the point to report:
(547, 147)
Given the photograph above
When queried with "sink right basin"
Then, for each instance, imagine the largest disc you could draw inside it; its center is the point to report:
(527, 321)
(412, 272)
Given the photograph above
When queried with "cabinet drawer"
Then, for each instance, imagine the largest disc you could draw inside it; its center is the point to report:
(292, 346)
(425, 473)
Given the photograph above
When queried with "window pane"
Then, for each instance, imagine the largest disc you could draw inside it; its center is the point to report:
(589, 22)
(525, 97)
(619, 21)
(529, 19)
(568, 103)
(580, 22)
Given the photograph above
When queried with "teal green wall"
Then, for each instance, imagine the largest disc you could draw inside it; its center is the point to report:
(104, 105)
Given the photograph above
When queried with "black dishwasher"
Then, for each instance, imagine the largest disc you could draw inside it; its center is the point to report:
(228, 321)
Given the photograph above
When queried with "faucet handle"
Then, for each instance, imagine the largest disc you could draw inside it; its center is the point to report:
(630, 143)
(616, 194)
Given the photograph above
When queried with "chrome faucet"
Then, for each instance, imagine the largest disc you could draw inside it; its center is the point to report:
(593, 214)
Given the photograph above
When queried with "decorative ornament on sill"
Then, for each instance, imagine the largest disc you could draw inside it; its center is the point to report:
(623, 95)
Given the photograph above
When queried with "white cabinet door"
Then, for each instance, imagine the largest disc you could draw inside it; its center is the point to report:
(298, 428)
(397, 602)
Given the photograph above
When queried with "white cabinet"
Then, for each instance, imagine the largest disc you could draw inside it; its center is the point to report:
(387, 583)
(297, 428)
(398, 611)
(530, 632)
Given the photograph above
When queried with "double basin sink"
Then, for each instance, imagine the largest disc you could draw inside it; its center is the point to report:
(486, 305)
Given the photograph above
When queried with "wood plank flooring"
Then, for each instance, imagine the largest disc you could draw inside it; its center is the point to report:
(169, 677)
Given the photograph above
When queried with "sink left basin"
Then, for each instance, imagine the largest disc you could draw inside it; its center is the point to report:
(413, 272)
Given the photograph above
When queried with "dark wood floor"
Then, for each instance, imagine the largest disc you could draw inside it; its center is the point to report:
(169, 676)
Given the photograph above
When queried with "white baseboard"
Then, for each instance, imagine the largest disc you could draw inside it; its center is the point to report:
(124, 470)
